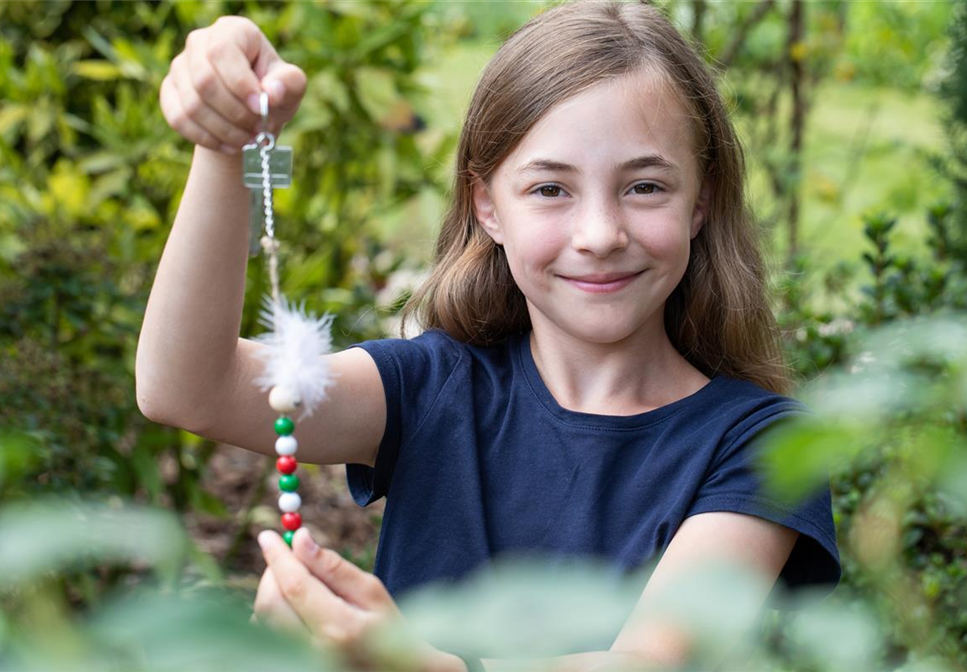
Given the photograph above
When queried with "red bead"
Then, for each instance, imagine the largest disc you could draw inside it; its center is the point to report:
(286, 464)
(291, 521)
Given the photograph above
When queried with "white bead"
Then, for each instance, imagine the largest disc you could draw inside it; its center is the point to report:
(289, 502)
(284, 399)
(286, 445)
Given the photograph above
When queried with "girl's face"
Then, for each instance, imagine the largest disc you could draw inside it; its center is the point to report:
(595, 209)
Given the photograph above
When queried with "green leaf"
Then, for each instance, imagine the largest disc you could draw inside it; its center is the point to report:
(197, 630)
(519, 607)
(19, 451)
(146, 467)
(380, 38)
(97, 70)
(798, 456)
(48, 535)
(12, 116)
(205, 502)
(376, 91)
(115, 183)
(840, 636)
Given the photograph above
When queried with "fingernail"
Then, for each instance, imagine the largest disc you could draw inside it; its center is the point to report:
(310, 545)
(253, 103)
(276, 90)
(263, 539)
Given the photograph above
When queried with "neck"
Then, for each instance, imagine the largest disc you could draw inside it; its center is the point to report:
(628, 377)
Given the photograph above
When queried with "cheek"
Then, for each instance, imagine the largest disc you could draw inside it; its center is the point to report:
(669, 241)
(530, 249)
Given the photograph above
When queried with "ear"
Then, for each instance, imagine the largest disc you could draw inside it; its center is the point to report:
(483, 208)
(701, 206)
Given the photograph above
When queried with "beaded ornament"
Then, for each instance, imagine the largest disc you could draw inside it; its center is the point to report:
(295, 374)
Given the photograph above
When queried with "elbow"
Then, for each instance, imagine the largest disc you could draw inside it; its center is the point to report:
(159, 409)
(150, 407)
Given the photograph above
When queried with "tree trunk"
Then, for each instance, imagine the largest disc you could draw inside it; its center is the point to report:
(795, 55)
(698, 20)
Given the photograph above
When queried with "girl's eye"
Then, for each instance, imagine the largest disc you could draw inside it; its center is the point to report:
(646, 188)
(549, 190)
(641, 189)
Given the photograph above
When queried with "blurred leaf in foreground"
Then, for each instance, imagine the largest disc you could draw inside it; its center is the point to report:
(156, 632)
(37, 538)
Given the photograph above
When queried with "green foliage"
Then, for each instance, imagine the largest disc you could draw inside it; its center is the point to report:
(895, 43)
(90, 179)
(90, 175)
(891, 428)
(953, 92)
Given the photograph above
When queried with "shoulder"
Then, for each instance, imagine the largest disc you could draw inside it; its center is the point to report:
(743, 394)
(744, 409)
(435, 353)
(428, 347)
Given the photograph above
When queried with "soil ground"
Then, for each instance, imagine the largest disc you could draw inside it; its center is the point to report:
(233, 476)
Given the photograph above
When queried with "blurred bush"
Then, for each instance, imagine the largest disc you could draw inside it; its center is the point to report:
(91, 177)
(103, 576)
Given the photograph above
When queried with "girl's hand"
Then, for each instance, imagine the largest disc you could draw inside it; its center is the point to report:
(334, 600)
(210, 94)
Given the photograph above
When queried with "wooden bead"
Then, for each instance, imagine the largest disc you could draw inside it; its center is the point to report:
(291, 521)
(286, 446)
(284, 399)
(286, 464)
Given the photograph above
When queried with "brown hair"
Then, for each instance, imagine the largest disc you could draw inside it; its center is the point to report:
(718, 317)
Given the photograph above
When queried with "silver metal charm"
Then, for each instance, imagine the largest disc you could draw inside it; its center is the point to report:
(262, 176)
(280, 167)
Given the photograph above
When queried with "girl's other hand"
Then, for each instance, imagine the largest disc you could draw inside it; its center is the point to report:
(210, 94)
(335, 601)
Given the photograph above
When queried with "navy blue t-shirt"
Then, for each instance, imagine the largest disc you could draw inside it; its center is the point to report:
(478, 459)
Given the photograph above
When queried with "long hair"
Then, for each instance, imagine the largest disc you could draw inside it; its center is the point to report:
(718, 317)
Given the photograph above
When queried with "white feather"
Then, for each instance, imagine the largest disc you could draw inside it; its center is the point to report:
(293, 354)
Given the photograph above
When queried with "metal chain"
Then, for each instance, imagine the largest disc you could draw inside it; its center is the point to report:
(269, 243)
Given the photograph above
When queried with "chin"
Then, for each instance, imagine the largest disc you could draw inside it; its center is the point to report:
(604, 335)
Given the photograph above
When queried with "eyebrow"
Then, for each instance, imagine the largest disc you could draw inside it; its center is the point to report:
(548, 165)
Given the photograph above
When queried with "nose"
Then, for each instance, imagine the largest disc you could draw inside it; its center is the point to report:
(599, 229)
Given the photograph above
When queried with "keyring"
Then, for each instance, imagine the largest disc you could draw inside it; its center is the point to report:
(264, 110)
(264, 113)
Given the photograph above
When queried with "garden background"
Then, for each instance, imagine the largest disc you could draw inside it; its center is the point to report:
(124, 543)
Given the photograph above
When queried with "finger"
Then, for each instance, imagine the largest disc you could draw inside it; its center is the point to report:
(345, 579)
(202, 114)
(286, 85)
(177, 117)
(271, 607)
(225, 82)
(240, 100)
(319, 609)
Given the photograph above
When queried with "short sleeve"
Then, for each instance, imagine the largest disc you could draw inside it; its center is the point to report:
(734, 483)
(413, 372)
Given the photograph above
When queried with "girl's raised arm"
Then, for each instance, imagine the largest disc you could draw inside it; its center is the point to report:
(192, 369)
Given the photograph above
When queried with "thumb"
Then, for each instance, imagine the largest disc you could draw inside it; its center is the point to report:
(286, 85)
(342, 577)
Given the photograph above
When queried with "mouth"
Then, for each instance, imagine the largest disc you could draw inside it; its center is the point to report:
(601, 283)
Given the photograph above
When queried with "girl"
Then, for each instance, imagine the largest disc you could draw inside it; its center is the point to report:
(598, 356)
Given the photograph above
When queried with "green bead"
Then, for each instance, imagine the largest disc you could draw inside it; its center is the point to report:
(287, 535)
(284, 426)
(288, 482)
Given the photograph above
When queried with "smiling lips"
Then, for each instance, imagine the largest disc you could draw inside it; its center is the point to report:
(602, 283)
